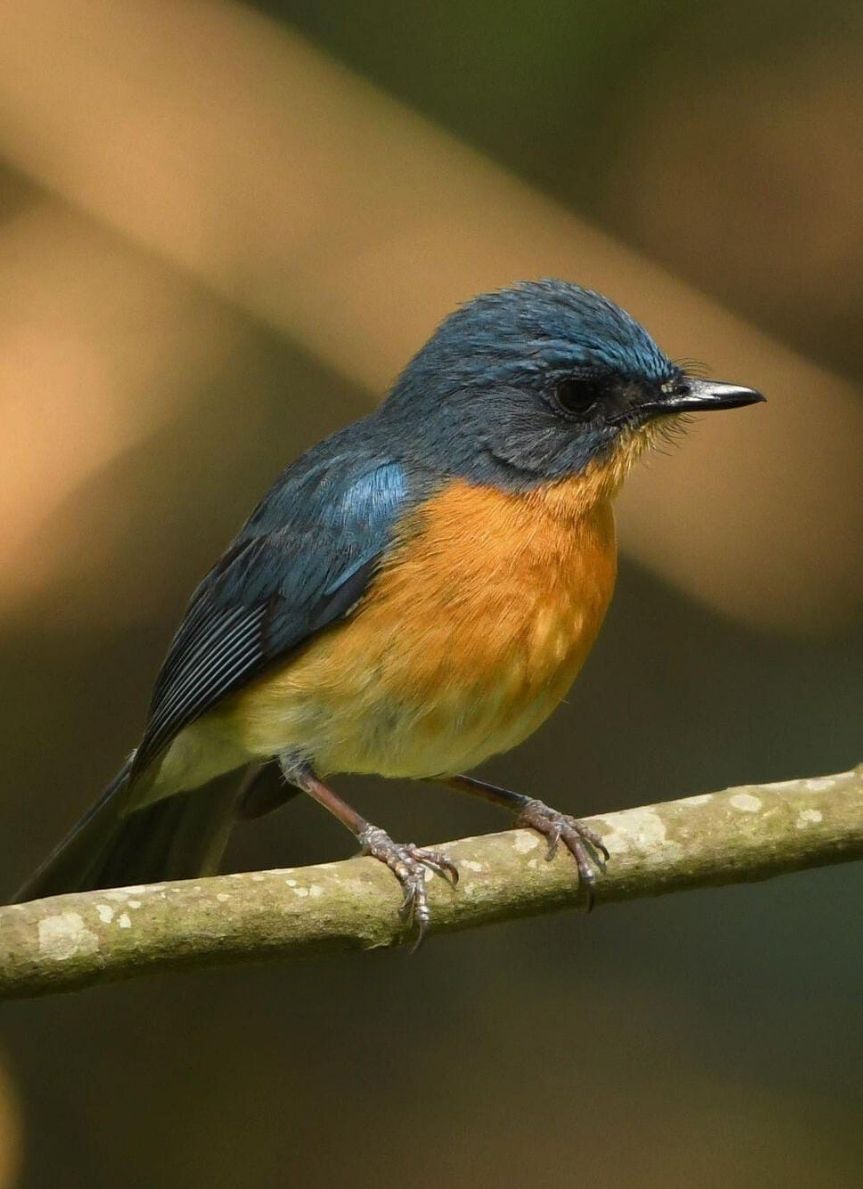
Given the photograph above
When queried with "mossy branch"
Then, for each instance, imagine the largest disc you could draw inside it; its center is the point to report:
(736, 836)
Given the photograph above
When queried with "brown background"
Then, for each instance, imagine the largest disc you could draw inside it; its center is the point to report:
(223, 228)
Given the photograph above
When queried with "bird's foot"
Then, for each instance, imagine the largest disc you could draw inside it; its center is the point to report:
(583, 843)
(409, 864)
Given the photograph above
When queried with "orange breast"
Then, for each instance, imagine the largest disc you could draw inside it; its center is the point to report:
(468, 638)
(496, 588)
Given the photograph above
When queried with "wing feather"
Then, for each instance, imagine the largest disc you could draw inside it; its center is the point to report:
(301, 562)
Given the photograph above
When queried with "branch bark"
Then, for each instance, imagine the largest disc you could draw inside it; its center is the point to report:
(736, 836)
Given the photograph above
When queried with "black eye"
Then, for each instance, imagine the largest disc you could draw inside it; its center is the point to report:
(578, 396)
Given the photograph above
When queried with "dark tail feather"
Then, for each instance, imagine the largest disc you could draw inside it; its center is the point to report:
(263, 789)
(178, 838)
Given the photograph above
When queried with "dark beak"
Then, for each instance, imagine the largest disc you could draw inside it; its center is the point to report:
(700, 396)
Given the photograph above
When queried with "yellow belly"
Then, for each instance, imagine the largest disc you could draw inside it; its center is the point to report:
(467, 640)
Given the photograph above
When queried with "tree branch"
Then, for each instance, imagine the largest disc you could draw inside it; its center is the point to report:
(743, 834)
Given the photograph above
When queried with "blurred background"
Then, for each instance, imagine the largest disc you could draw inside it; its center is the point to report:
(224, 227)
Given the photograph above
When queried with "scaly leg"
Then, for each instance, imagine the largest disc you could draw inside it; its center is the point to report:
(583, 843)
(406, 861)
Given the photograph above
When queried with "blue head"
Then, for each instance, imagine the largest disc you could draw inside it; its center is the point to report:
(536, 383)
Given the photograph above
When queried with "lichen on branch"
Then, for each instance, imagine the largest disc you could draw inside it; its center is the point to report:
(736, 836)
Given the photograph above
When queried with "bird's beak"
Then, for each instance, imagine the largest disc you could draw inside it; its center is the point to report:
(700, 396)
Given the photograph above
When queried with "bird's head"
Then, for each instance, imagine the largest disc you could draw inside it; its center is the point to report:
(540, 382)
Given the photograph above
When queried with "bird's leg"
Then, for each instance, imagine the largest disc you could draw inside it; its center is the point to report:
(406, 861)
(583, 843)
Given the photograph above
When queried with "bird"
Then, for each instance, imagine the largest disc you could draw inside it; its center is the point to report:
(415, 594)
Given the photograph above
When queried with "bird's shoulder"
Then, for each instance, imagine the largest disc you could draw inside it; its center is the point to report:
(301, 562)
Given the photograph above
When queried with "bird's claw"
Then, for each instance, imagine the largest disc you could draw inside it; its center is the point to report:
(583, 843)
(409, 864)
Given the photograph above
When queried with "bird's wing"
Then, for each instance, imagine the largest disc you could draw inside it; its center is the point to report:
(301, 562)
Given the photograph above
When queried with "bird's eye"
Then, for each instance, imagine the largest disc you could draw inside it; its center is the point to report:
(577, 396)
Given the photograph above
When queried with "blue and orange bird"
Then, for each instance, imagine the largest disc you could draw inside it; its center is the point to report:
(414, 594)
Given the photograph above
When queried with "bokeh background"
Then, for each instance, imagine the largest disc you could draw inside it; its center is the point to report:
(223, 229)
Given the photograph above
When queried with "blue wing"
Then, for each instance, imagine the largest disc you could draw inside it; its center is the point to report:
(301, 562)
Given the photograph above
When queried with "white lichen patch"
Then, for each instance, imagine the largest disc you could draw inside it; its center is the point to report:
(819, 784)
(125, 895)
(300, 891)
(315, 890)
(292, 883)
(698, 799)
(222, 897)
(471, 865)
(808, 817)
(745, 802)
(106, 913)
(525, 842)
(133, 903)
(641, 828)
(65, 936)
(124, 920)
(786, 786)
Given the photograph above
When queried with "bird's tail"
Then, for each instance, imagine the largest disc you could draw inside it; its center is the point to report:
(113, 845)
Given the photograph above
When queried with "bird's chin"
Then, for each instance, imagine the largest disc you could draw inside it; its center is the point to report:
(606, 472)
(644, 432)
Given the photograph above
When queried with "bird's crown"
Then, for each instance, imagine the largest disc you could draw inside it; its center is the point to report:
(535, 327)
